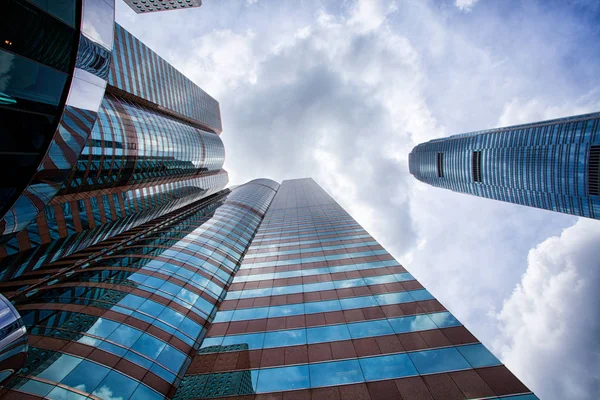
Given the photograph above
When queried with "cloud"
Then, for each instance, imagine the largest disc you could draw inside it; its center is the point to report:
(551, 318)
(465, 5)
(342, 91)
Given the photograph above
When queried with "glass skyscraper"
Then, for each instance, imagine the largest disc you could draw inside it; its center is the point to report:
(266, 290)
(150, 145)
(319, 310)
(554, 165)
(129, 271)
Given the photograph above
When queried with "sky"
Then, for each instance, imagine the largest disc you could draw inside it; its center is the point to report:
(342, 90)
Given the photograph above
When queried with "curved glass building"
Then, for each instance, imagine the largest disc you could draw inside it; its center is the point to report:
(151, 145)
(554, 165)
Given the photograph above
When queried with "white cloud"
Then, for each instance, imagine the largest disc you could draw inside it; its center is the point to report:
(551, 318)
(342, 91)
(465, 5)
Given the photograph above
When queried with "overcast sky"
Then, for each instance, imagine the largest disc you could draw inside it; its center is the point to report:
(342, 90)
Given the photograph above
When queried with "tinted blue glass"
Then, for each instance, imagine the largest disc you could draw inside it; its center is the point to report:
(250, 313)
(412, 323)
(103, 327)
(171, 358)
(253, 340)
(387, 367)
(370, 328)
(143, 392)
(282, 311)
(39, 388)
(60, 368)
(328, 333)
(28, 80)
(358, 302)
(214, 341)
(439, 360)
(322, 306)
(335, 373)
(285, 378)
(125, 335)
(444, 320)
(115, 385)
(285, 338)
(60, 393)
(149, 346)
(393, 298)
(86, 376)
(478, 356)
(111, 348)
(420, 295)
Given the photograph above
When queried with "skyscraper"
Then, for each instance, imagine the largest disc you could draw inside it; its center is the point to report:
(554, 165)
(148, 6)
(319, 310)
(153, 145)
(123, 318)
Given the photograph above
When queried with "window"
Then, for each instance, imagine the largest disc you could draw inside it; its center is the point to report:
(440, 165)
(594, 171)
(476, 164)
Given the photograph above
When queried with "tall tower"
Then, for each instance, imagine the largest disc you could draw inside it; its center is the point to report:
(153, 146)
(319, 310)
(554, 165)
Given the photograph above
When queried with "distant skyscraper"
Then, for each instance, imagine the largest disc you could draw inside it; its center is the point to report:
(320, 310)
(554, 165)
(147, 6)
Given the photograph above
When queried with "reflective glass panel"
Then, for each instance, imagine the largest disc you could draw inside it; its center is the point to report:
(439, 360)
(387, 367)
(335, 373)
(478, 356)
(285, 378)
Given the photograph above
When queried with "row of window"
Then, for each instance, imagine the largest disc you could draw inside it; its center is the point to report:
(319, 286)
(311, 249)
(331, 257)
(314, 271)
(338, 332)
(322, 306)
(368, 369)
(302, 242)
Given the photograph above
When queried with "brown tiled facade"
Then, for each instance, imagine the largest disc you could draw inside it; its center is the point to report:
(319, 310)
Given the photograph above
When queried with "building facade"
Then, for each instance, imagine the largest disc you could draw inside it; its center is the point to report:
(123, 318)
(319, 310)
(553, 165)
(153, 146)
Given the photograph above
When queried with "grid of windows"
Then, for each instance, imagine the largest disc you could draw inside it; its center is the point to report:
(320, 309)
(141, 72)
(550, 164)
(128, 320)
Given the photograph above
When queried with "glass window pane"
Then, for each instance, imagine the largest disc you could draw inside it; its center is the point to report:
(286, 378)
(412, 324)
(358, 302)
(60, 368)
(28, 80)
(444, 320)
(420, 295)
(370, 328)
(393, 298)
(478, 356)
(440, 360)
(115, 385)
(328, 333)
(253, 340)
(335, 373)
(86, 376)
(285, 338)
(387, 367)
